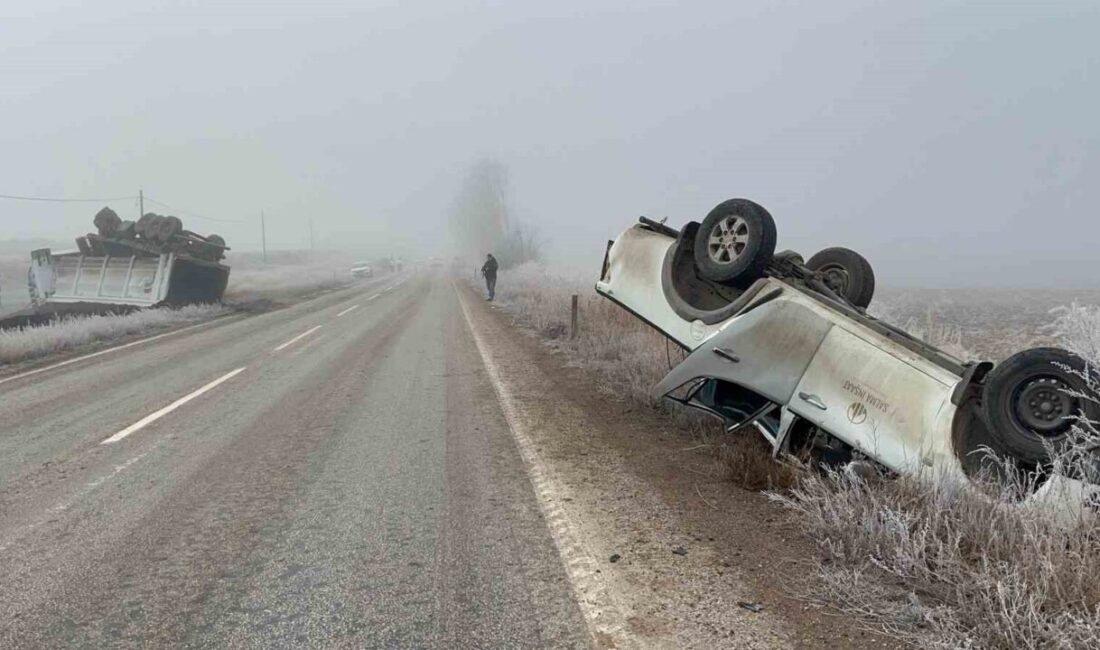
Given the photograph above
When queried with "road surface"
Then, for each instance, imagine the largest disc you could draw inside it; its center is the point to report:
(335, 474)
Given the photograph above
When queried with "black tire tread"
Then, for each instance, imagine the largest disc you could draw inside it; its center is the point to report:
(996, 398)
(862, 276)
(743, 274)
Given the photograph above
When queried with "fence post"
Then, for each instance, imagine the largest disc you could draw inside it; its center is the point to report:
(573, 319)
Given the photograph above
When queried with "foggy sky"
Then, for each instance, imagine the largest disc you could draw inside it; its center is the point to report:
(953, 143)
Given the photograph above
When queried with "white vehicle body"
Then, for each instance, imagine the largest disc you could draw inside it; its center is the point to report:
(361, 270)
(139, 280)
(809, 357)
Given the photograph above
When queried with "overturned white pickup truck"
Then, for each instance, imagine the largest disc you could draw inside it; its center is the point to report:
(785, 346)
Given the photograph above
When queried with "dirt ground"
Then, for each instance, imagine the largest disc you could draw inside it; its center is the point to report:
(698, 561)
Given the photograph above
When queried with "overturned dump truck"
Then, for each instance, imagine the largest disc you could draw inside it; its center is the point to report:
(144, 263)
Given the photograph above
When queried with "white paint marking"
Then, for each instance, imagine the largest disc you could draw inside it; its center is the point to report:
(348, 310)
(153, 417)
(372, 297)
(307, 345)
(604, 618)
(298, 338)
(110, 350)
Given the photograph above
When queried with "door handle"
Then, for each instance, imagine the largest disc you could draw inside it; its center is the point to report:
(813, 400)
(727, 354)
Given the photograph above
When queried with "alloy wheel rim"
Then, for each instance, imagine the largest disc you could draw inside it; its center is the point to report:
(728, 239)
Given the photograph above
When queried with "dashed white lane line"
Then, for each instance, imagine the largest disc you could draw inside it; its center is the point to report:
(110, 350)
(602, 614)
(153, 417)
(348, 310)
(298, 338)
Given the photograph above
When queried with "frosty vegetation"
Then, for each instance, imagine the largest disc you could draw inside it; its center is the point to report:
(74, 331)
(928, 562)
(950, 567)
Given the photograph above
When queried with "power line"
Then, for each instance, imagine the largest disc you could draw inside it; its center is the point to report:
(190, 214)
(59, 200)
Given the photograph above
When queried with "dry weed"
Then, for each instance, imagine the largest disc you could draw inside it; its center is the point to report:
(628, 357)
(943, 565)
(953, 567)
(72, 331)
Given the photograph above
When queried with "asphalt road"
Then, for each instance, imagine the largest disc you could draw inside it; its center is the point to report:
(334, 474)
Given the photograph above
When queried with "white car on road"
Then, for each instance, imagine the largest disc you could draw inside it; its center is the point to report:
(361, 270)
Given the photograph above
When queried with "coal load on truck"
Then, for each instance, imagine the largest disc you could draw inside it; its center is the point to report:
(149, 262)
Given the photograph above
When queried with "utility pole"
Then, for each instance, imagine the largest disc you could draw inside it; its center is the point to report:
(141, 203)
(311, 237)
(263, 234)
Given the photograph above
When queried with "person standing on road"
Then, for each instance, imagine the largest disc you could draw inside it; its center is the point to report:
(489, 270)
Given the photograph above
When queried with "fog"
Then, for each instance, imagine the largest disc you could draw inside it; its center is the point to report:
(953, 143)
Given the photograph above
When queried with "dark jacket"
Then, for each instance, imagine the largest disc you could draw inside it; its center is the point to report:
(490, 267)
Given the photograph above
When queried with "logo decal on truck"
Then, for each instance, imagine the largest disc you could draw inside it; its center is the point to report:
(857, 413)
(867, 395)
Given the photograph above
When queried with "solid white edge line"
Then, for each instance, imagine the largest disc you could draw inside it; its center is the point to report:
(298, 338)
(114, 349)
(156, 415)
(348, 310)
(601, 613)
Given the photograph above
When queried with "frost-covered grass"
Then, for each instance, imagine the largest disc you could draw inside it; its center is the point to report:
(630, 355)
(940, 566)
(958, 568)
(74, 331)
(627, 358)
(275, 280)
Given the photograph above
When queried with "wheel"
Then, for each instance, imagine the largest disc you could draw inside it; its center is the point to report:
(216, 240)
(1025, 402)
(147, 226)
(154, 228)
(168, 228)
(847, 273)
(107, 222)
(735, 242)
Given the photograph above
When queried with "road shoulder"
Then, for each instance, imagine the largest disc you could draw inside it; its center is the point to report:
(690, 559)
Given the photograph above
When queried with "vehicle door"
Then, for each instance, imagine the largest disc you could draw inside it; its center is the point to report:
(765, 349)
(876, 402)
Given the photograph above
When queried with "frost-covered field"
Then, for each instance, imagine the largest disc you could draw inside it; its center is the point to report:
(937, 566)
(67, 333)
(13, 282)
(286, 274)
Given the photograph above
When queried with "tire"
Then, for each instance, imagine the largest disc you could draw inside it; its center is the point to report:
(169, 227)
(847, 273)
(735, 242)
(107, 222)
(1025, 406)
(147, 226)
(155, 228)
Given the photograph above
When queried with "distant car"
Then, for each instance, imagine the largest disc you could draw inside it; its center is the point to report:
(361, 270)
(785, 346)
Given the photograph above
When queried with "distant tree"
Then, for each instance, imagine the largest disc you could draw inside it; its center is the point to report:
(482, 220)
